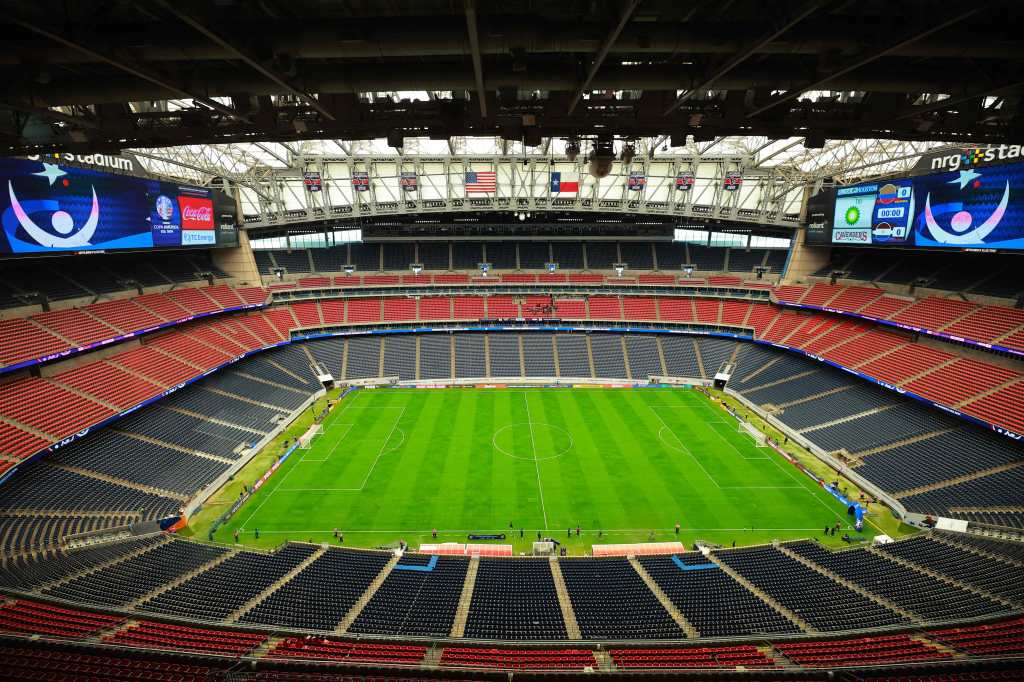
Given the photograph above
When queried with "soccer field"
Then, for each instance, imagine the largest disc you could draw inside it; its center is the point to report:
(628, 463)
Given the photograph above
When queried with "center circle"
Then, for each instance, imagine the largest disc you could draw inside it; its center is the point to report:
(532, 441)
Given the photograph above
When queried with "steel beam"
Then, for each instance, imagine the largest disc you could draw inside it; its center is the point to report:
(606, 46)
(474, 46)
(744, 54)
(135, 70)
(871, 56)
(247, 59)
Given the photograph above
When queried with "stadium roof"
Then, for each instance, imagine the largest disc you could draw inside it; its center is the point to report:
(98, 75)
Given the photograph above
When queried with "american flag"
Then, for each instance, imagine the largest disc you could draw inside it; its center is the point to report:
(481, 181)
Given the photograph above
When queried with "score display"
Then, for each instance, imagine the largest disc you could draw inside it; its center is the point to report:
(48, 208)
(874, 214)
(968, 208)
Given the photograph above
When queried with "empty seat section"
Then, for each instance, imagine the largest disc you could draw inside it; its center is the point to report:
(363, 358)
(502, 307)
(363, 310)
(397, 309)
(605, 308)
(568, 255)
(601, 255)
(400, 356)
(468, 308)
(436, 356)
(470, 356)
(710, 600)
(129, 580)
(680, 356)
(515, 600)
(637, 255)
(820, 601)
(320, 595)
(611, 601)
(573, 360)
(435, 308)
(328, 354)
(609, 362)
(217, 592)
(644, 359)
(49, 408)
(538, 355)
(415, 602)
(504, 353)
(366, 257)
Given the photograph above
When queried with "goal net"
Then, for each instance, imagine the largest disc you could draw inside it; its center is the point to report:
(306, 439)
(751, 430)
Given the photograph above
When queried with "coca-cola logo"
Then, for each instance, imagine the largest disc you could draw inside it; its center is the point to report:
(196, 213)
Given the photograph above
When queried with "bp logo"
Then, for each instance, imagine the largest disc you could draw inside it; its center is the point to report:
(852, 215)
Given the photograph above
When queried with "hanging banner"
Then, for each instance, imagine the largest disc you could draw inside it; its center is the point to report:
(361, 181)
(733, 180)
(637, 181)
(408, 182)
(684, 181)
(312, 181)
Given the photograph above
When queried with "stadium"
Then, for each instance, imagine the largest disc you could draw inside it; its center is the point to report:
(470, 340)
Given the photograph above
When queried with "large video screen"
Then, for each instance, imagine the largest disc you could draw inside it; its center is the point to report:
(48, 207)
(969, 208)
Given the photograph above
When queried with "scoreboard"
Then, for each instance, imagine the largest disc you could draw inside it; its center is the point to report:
(969, 208)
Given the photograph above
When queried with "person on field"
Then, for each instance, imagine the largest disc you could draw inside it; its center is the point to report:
(677, 528)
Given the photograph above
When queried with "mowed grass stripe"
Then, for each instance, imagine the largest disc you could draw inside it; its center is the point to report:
(441, 469)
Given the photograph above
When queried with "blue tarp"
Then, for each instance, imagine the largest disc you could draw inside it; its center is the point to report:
(426, 569)
(694, 567)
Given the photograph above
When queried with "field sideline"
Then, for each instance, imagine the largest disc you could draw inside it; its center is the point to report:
(628, 463)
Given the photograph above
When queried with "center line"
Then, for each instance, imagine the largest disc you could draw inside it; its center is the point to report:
(536, 464)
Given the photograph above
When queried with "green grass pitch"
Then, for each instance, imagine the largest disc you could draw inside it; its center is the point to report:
(628, 463)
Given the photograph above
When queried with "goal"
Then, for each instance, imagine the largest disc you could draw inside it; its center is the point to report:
(751, 430)
(306, 439)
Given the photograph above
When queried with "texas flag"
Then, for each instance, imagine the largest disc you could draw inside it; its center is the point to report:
(560, 186)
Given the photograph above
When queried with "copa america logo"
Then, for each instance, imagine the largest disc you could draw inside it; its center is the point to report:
(164, 207)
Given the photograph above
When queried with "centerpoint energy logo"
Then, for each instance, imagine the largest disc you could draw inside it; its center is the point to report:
(977, 156)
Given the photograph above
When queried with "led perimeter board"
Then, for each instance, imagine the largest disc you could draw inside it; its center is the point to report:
(51, 208)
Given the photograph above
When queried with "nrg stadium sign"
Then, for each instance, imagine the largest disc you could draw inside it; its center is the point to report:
(126, 163)
(968, 158)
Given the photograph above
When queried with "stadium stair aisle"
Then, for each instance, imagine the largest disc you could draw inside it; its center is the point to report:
(685, 625)
(900, 443)
(465, 599)
(809, 398)
(572, 627)
(90, 473)
(361, 603)
(212, 420)
(172, 446)
(847, 418)
(959, 479)
(275, 586)
(181, 579)
(947, 540)
(945, 578)
(145, 547)
(881, 601)
(763, 596)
